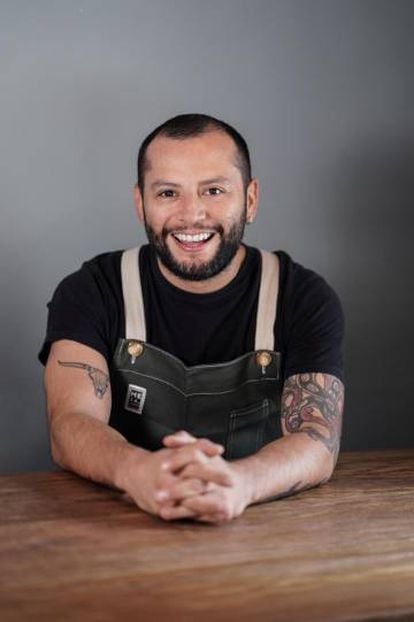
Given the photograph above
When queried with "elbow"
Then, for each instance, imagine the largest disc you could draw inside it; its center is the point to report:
(56, 450)
(327, 467)
(56, 454)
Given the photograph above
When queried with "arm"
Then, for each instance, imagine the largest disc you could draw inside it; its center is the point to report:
(312, 406)
(79, 405)
(304, 457)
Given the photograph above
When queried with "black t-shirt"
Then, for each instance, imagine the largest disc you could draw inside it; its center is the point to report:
(88, 307)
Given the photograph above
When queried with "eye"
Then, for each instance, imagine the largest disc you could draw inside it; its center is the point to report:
(214, 191)
(167, 194)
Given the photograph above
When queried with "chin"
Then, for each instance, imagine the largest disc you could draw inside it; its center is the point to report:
(196, 262)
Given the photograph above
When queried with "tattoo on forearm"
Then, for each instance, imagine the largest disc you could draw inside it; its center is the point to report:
(313, 403)
(298, 487)
(293, 490)
(99, 379)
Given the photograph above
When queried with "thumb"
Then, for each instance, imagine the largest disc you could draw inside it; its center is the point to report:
(178, 439)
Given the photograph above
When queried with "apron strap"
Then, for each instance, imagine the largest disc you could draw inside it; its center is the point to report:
(266, 311)
(133, 302)
(267, 305)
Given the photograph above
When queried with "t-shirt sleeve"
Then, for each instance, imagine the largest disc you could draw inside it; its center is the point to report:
(313, 325)
(79, 311)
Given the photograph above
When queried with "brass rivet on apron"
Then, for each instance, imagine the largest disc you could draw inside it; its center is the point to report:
(135, 349)
(263, 360)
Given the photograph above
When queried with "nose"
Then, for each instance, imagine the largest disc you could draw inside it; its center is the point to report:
(192, 208)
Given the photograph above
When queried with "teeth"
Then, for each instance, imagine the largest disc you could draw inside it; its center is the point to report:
(198, 237)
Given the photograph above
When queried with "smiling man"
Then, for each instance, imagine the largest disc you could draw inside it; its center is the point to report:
(194, 205)
(196, 374)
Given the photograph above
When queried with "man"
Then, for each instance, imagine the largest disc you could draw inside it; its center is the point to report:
(198, 375)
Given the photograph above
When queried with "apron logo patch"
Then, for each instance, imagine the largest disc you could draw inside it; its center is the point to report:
(135, 399)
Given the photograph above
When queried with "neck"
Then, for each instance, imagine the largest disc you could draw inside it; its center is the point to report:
(207, 286)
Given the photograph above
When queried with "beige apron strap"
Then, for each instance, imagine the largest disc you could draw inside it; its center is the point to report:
(267, 305)
(132, 292)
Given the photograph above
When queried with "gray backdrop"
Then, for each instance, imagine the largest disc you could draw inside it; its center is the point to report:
(322, 90)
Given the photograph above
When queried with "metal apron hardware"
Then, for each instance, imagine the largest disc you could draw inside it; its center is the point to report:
(236, 403)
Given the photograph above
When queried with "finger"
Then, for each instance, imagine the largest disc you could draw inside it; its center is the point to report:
(162, 493)
(182, 489)
(188, 488)
(215, 472)
(178, 439)
(182, 457)
(210, 504)
(171, 510)
(175, 512)
(210, 448)
(182, 438)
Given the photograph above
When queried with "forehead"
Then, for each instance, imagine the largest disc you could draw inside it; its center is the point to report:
(209, 154)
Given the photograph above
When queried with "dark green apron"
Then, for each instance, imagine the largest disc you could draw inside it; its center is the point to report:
(236, 404)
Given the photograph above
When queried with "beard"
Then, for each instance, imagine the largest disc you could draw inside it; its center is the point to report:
(228, 247)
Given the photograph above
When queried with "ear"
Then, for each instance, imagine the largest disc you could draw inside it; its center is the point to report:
(139, 204)
(252, 200)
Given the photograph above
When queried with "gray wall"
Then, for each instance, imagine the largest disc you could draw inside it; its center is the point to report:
(322, 90)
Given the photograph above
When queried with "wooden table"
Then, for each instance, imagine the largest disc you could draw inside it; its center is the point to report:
(72, 550)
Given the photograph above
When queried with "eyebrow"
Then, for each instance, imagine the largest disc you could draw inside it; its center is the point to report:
(214, 180)
(217, 180)
(163, 182)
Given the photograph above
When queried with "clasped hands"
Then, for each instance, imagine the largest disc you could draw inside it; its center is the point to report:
(190, 479)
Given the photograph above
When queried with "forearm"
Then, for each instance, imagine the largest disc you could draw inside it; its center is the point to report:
(284, 467)
(92, 449)
(305, 456)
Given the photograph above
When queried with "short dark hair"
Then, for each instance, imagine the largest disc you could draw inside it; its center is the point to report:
(189, 125)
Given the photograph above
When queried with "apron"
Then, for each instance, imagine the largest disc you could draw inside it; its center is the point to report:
(236, 404)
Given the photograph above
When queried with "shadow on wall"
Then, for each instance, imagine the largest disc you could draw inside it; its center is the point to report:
(375, 199)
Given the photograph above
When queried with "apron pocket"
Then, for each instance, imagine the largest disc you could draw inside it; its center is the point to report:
(246, 430)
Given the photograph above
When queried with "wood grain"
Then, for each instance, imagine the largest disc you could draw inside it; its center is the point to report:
(71, 550)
